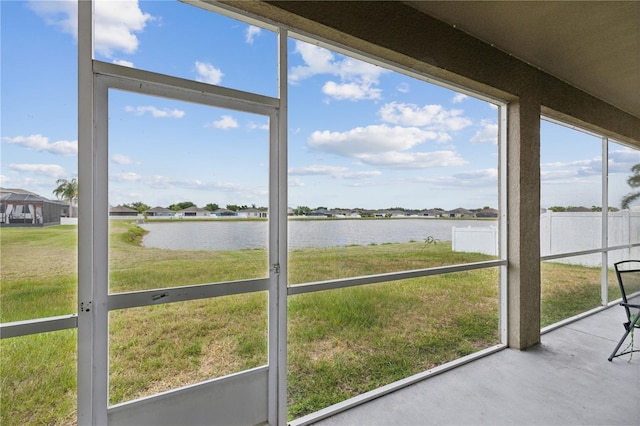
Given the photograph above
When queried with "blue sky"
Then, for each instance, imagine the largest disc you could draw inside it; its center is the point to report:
(359, 135)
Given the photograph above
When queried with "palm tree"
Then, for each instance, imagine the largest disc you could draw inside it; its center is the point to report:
(67, 190)
(634, 182)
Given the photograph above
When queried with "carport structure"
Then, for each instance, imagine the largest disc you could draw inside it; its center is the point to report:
(23, 208)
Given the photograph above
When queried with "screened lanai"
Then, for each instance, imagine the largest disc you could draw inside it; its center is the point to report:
(150, 335)
(18, 208)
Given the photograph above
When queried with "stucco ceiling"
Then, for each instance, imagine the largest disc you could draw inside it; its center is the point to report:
(593, 45)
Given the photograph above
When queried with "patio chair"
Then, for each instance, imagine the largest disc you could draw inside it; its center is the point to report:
(628, 273)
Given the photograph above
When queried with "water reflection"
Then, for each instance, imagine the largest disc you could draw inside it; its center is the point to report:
(238, 235)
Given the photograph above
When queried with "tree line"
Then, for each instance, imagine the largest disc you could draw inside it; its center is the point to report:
(68, 190)
(140, 207)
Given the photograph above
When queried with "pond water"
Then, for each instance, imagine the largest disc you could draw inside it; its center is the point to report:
(238, 235)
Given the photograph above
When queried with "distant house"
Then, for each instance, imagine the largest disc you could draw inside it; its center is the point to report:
(224, 213)
(430, 213)
(338, 213)
(487, 213)
(396, 213)
(319, 213)
(459, 212)
(343, 213)
(23, 208)
(194, 211)
(122, 211)
(159, 212)
(252, 213)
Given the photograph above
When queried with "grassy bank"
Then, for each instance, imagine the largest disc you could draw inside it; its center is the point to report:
(341, 342)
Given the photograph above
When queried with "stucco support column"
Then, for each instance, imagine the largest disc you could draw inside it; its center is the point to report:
(523, 201)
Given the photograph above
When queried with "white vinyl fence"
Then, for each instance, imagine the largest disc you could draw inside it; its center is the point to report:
(480, 239)
(68, 221)
(564, 232)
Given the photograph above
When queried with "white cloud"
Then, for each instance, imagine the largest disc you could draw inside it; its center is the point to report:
(444, 137)
(472, 179)
(317, 60)
(317, 170)
(121, 159)
(225, 122)
(251, 32)
(459, 97)
(116, 22)
(403, 88)
(41, 143)
(370, 139)
(562, 164)
(571, 171)
(357, 78)
(38, 183)
(126, 177)
(155, 112)
(351, 91)
(295, 183)
(432, 116)
(349, 68)
(558, 176)
(621, 160)
(62, 14)
(123, 63)
(596, 170)
(253, 126)
(160, 182)
(488, 133)
(577, 168)
(207, 73)
(483, 173)
(413, 160)
(384, 146)
(52, 170)
(361, 175)
(164, 182)
(337, 172)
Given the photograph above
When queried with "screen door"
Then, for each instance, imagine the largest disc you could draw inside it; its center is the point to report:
(185, 207)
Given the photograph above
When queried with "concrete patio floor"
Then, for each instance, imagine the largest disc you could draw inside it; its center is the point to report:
(566, 380)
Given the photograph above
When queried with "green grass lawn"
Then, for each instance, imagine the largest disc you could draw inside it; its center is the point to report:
(341, 342)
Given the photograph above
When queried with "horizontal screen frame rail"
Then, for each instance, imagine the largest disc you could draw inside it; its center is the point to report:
(159, 296)
(181, 89)
(202, 291)
(36, 326)
(585, 252)
(391, 276)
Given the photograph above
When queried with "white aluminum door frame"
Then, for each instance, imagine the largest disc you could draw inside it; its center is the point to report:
(92, 303)
(95, 79)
